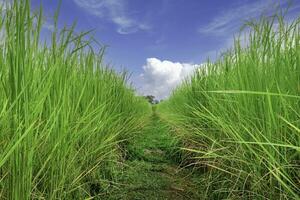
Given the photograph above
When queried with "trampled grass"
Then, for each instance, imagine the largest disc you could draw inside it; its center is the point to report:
(151, 170)
(62, 112)
(239, 116)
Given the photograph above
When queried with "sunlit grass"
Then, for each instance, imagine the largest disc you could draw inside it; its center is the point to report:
(62, 112)
(239, 116)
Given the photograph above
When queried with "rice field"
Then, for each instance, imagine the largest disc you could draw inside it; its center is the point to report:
(73, 128)
(63, 113)
(238, 117)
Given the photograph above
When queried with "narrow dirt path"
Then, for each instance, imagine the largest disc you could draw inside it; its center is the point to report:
(151, 171)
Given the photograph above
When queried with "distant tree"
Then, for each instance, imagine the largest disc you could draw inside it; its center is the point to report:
(150, 98)
(156, 101)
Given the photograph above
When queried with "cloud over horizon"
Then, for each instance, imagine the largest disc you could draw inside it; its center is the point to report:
(161, 77)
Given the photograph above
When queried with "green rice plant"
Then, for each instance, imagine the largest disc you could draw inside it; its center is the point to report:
(63, 113)
(239, 116)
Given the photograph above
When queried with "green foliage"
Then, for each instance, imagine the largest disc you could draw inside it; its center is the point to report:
(239, 117)
(62, 112)
(156, 144)
(150, 98)
(150, 170)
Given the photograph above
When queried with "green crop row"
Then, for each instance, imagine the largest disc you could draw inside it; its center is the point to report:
(239, 117)
(63, 113)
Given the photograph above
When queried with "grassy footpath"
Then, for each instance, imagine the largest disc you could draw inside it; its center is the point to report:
(150, 170)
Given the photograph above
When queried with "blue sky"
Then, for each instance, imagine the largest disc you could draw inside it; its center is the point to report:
(154, 38)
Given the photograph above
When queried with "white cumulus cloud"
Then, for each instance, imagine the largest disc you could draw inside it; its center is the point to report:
(161, 77)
